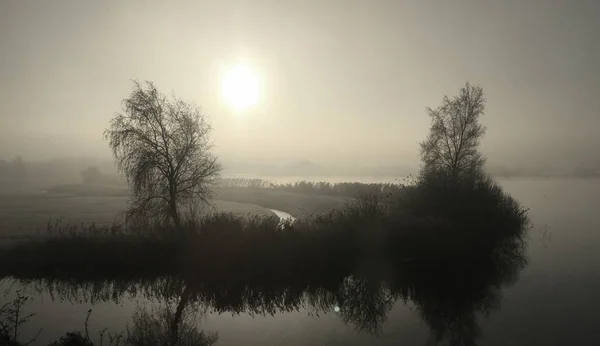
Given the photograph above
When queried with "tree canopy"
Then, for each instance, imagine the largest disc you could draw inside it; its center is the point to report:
(451, 147)
(162, 146)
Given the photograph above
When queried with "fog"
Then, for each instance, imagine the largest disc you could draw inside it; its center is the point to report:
(309, 172)
(345, 83)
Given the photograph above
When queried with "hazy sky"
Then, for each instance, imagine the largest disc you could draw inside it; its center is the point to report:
(344, 81)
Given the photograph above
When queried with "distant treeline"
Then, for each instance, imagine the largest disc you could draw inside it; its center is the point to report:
(245, 182)
(93, 175)
(22, 175)
(17, 167)
(345, 189)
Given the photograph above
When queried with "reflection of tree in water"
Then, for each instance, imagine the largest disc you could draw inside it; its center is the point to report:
(362, 303)
(172, 319)
(449, 296)
(173, 322)
(365, 304)
(168, 325)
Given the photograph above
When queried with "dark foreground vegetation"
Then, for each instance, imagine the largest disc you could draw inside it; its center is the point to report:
(431, 221)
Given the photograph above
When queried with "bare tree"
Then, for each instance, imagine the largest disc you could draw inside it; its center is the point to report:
(455, 133)
(162, 146)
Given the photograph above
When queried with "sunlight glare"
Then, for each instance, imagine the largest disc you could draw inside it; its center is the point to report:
(240, 87)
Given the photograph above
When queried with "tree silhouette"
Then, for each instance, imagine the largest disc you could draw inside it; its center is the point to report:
(162, 146)
(451, 148)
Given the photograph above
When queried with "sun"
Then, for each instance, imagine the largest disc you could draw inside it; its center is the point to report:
(240, 87)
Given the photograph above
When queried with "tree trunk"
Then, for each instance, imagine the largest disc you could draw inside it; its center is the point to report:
(173, 209)
(175, 217)
(185, 297)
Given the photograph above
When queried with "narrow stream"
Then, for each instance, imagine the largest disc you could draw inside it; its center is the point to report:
(283, 216)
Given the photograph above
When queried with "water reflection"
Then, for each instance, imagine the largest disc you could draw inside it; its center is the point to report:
(167, 325)
(449, 296)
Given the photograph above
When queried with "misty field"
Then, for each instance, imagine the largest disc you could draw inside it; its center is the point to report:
(297, 204)
(25, 214)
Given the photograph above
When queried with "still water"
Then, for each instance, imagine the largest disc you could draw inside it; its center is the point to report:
(553, 300)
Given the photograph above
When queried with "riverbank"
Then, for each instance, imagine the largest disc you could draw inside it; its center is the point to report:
(404, 228)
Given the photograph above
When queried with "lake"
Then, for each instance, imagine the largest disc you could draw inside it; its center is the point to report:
(553, 300)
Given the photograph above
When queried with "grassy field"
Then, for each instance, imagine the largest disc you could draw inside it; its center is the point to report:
(23, 214)
(297, 204)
